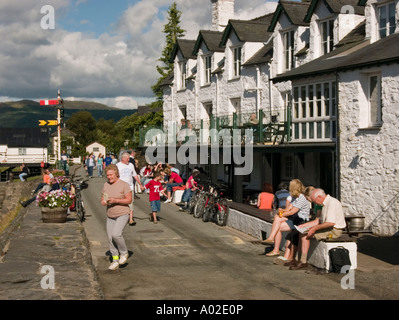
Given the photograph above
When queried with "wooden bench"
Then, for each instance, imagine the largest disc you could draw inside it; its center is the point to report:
(266, 215)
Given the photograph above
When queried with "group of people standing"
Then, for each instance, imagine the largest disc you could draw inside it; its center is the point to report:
(294, 206)
(90, 162)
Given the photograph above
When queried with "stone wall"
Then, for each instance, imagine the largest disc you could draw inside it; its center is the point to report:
(11, 194)
(368, 159)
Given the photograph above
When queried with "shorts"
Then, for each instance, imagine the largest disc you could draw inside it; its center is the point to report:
(296, 222)
(325, 233)
(155, 205)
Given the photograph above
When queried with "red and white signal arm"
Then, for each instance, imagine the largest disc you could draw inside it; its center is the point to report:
(49, 102)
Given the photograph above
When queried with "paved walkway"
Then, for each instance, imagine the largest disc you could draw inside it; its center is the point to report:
(36, 255)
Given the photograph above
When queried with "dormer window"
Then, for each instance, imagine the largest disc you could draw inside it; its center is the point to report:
(236, 70)
(327, 36)
(183, 75)
(207, 69)
(288, 40)
(386, 19)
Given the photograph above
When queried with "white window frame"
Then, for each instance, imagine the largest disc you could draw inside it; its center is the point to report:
(289, 47)
(314, 110)
(183, 75)
(326, 38)
(236, 61)
(388, 27)
(22, 152)
(207, 69)
(374, 102)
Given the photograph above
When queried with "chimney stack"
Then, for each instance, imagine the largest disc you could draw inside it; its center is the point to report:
(222, 11)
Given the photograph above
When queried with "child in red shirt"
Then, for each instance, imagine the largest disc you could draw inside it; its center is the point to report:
(155, 187)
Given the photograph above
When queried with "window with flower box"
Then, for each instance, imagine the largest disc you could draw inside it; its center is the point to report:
(314, 112)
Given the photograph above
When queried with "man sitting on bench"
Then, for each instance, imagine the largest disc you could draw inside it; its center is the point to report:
(330, 226)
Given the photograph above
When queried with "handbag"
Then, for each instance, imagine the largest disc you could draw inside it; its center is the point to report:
(339, 257)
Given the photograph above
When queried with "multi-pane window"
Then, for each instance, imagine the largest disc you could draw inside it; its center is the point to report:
(207, 69)
(183, 75)
(288, 38)
(314, 112)
(22, 151)
(374, 100)
(236, 62)
(386, 19)
(327, 36)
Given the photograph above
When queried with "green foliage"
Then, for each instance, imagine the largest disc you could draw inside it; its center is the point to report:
(173, 31)
(83, 124)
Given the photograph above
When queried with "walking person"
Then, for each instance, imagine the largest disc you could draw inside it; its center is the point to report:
(100, 165)
(128, 174)
(90, 165)
(117, 196)
(155, 187)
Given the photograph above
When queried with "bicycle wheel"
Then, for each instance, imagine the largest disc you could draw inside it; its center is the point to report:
(199, 206)
(208, 210)
(207, 216)
(192, 202)
(80, 211)
(223, 213)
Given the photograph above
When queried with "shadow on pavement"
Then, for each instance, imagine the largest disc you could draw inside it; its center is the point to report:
(382, 248)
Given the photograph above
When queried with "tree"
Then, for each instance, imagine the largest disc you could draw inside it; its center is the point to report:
(173, 32)
(84, 125)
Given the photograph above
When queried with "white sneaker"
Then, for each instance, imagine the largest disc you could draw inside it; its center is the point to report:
(167, 201)
(114, 265)
(123, 258)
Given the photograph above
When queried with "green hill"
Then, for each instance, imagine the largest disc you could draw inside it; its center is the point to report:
(27, 113)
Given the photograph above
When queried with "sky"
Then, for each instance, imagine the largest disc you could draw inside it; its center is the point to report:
(98, 50)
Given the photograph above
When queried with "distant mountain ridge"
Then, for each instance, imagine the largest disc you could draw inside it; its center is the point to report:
(27, 113)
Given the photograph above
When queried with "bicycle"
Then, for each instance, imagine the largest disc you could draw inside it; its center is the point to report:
(216, 207)
(76, 188)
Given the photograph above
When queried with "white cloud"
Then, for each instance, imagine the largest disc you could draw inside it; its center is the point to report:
(35, 63)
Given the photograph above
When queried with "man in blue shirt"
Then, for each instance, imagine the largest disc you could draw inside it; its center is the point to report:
(107, 160)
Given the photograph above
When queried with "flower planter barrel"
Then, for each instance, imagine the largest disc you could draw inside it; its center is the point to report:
(54, 215)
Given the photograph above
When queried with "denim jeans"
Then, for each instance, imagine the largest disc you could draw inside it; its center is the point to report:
(169, 186)
(187, 195)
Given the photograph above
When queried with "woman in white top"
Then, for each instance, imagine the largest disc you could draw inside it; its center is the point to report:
(297, 213)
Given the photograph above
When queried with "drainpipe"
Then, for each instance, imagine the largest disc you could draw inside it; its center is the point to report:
(257, 89)
(338, 143)
(270, 87)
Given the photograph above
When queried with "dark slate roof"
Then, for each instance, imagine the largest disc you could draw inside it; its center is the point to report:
(64, 131)
(167, 81)
(186, 47)
(25, 137)
(211, 39)
(349, 56)
(335, 6)
(264, 55)
(356, 35)
(295, 12)
(248, 30)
